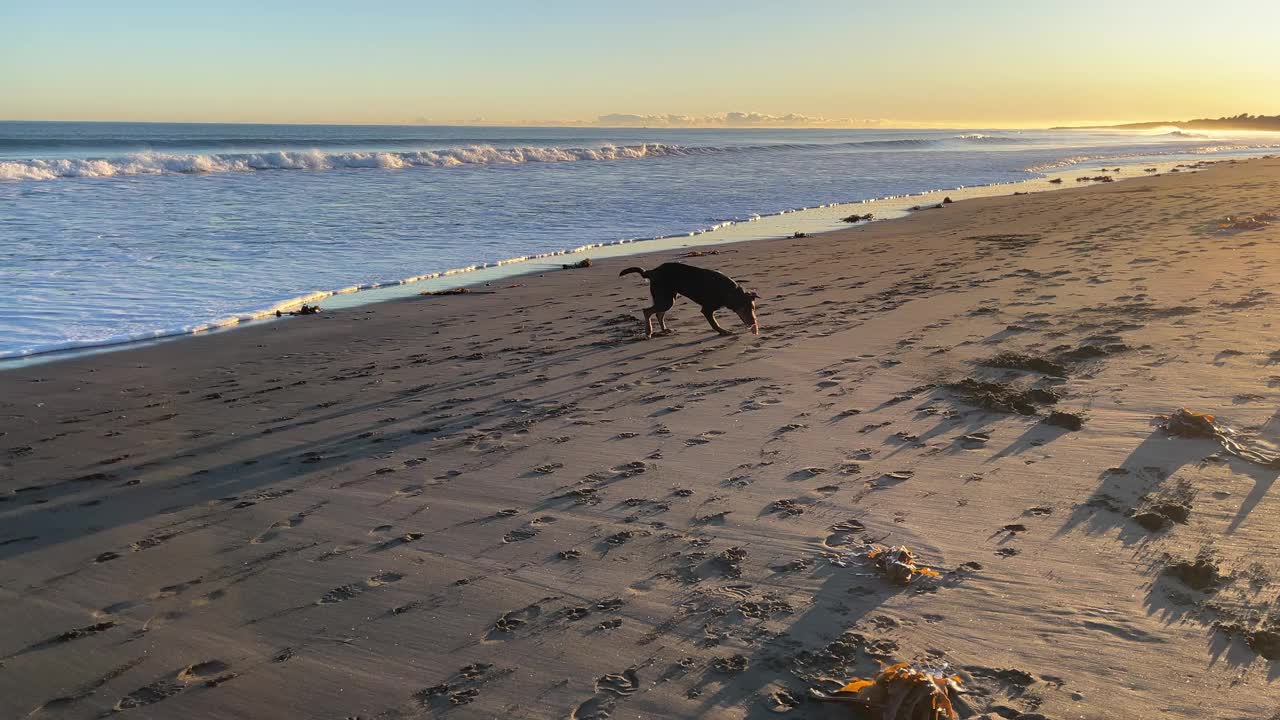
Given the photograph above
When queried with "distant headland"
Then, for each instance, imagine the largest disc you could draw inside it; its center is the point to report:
(1243, 121)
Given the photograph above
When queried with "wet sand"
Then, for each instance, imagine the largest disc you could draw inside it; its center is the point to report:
(512, 505)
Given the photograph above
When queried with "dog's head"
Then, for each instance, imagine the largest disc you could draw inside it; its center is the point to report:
(746, 310)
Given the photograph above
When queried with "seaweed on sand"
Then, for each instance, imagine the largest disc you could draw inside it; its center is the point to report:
(1002, 397)
(1186, 423)
(1247, 222)
(1018, 361)
(902, 692)
(899, 564)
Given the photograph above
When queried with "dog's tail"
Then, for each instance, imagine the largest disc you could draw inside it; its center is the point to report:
(642, 273)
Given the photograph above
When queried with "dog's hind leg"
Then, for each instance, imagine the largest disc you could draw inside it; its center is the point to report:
(663, 299)
(709, 314)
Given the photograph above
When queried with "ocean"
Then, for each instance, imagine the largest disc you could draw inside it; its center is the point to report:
(117, 232)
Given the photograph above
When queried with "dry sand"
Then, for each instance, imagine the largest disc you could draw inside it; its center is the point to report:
(510, 505)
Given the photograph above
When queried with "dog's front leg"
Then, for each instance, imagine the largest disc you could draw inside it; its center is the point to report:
(709, 314)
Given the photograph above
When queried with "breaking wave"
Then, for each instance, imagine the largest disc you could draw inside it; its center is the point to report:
(167, 163)
(1066, 162)
(151, 163)
(177, 163)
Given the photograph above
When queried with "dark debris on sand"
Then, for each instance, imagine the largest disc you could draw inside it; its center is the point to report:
(1002, 397)
(1161, 515)
(1065, 420)
(857, 218)
(1199, 574)
(304, 309)
(1059, 362)
(1161, 510)
(1019, 361)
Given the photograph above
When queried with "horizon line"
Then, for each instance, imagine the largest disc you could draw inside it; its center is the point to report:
(907, 124)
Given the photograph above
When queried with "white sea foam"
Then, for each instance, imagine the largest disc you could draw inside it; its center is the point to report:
(184, 164)
(159, 163)
(1201, 150)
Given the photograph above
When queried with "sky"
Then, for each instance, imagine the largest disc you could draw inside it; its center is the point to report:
(956, 63)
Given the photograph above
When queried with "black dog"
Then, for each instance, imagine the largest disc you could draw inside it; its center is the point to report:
(708, 288)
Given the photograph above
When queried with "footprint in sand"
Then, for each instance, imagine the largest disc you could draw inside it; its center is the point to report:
(843, 533)
(209, 597)
(87, 690)
(211, 672)
(385, 578)
(346, 592)
(806, 473)
(596, 708)
(149, 694)
(115, 608)
(203, 671)
(609, 688)
(69, 635)
(782, 701)
(624, 683)
(410, 491)
(273, 532)
(338, 551)
(643, 586)
(506, 624)
(519, 534)
(169, 591)
(620, 472)
(398, 541)
(703, 438)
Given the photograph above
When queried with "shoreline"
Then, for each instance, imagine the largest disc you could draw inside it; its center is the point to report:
(810, 220)
(514, 505)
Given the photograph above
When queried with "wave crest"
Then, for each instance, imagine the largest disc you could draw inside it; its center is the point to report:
(150, 163)
(170, 163)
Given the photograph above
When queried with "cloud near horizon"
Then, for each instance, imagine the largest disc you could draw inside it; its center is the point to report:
(716, 120)
(732, 119)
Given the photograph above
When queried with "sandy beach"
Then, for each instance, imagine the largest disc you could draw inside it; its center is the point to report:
(509, 504)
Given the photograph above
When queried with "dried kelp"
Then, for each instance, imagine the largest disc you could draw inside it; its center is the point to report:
(898, 563)
(1186, 423)
(1247, 222)
(902, 692)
